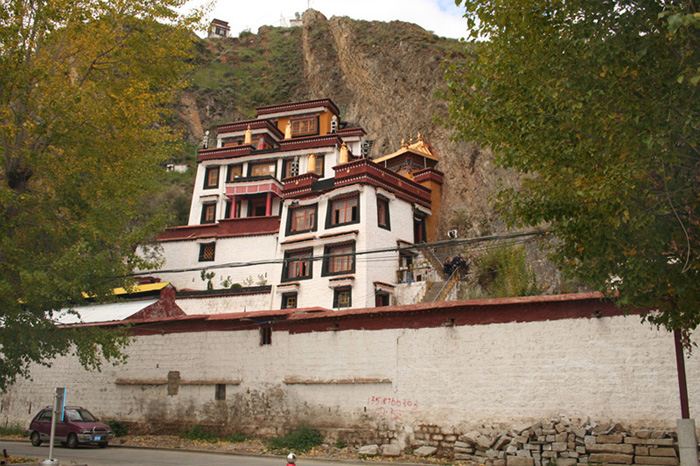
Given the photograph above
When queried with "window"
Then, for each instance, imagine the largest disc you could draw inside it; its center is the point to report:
(419, 234)
(297, 265)
(343, 211)
(265, 336)
(290, 167)
(257, 207)
(383, 213)
(211, 177)
(262, 169)
(381, 299)
(233, 172)
(301, 219)
(305, 126)
(208, 213)
(220, 393)
(206, 252)
(289, 300)
(339, 259)
(342, 297)
(318, 169)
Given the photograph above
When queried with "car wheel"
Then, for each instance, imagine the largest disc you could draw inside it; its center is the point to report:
(102, 444)
(36, 439)
(72, 441)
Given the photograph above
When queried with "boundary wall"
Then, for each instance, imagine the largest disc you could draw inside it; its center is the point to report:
(404, 375)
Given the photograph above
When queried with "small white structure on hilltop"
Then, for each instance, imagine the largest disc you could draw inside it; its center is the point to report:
(288, 211)
(219, 29)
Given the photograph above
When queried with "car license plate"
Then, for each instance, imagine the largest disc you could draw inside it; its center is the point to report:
(98, 438)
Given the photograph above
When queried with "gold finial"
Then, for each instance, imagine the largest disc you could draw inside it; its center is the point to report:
(403, 143)
(288, 130)
(420, 137)
(410, 140)
(344, 155)
(312, 164)
(248, 136)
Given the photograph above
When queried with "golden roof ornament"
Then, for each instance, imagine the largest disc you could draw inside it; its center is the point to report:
(311, 168)
(344, 154)
(248, 139)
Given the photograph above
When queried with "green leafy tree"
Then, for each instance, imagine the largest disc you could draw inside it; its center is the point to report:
(596, 103)
(84, 92)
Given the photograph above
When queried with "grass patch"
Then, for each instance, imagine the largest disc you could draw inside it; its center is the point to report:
(13, 430)
(298, 440)
(196, 432)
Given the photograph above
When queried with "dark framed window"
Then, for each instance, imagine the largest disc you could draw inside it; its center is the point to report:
(207, 252)
(211, 177)
(338, 259)
(265, 336)
(320, 161)
(342, 297)
(208, 213)
(262, 169)
(381, 299)
(383, 219)
(257, 207)
(233, 172)
(289, 300)
(302, 219)
(297, 265)
(305, 126)
(220, 392)
(343, 211)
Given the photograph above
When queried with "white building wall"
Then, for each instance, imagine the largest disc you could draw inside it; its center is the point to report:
(452, 377)
(225, 304)
(184, 255)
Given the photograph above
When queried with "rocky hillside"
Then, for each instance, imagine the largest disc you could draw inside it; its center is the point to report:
(383, 77)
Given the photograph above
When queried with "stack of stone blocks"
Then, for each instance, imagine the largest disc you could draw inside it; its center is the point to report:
(554, 442)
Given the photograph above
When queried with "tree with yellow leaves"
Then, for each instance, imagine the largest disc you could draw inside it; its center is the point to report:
(85, 87)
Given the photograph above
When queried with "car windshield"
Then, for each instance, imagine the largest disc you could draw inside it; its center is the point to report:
(79, 415)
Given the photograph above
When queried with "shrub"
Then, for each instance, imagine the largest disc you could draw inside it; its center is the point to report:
(196, 432)
(119, 428)
(236, 437)
(300, 440)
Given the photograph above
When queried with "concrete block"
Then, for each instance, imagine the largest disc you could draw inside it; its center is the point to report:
(611, 448)
(617, 458)
(658, 460)
(656, 451)
(391, 450)
(519, 461)
(609, 438)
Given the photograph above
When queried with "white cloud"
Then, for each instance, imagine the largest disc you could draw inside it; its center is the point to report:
(439, 16)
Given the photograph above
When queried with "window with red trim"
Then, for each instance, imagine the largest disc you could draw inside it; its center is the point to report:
(343, 211)
(297, 265)
(339, 258)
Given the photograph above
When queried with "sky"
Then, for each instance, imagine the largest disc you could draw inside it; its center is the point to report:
(441, 17)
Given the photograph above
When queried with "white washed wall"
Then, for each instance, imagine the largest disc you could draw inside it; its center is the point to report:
(185, 255)
(609, 369)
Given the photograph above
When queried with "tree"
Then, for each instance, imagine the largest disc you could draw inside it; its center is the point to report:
(596, 103)
(84, 93)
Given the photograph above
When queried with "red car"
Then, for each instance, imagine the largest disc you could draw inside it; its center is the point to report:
(78, 427)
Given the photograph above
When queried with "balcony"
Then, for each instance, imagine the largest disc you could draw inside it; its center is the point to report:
(225, 228)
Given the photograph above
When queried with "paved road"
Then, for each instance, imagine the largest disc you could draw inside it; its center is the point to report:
(94, 456)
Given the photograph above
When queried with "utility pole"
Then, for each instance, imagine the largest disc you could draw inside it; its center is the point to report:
(687, 439)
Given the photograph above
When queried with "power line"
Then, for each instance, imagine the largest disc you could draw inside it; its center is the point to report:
(435, 245)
